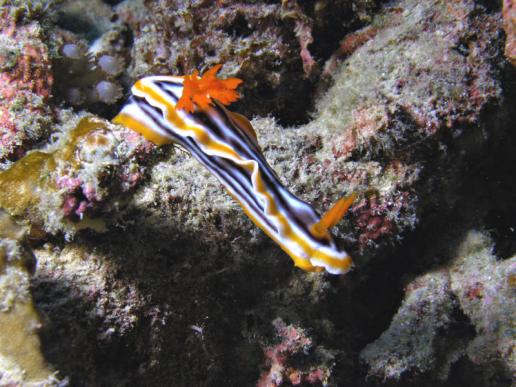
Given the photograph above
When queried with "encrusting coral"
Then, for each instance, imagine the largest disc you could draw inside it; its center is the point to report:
(55, 187)
(21, 360)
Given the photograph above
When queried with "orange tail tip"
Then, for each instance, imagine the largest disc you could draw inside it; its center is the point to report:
(202, 90)
(333, 216)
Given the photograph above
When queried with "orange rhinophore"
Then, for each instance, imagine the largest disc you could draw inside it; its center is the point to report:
(201, 90)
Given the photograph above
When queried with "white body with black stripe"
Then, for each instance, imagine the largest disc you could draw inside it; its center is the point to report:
(224, 143)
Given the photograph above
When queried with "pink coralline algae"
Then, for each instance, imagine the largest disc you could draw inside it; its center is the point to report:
(375, 218)
(367, 122)
(509, 24)
(347, 46)
(89, 164)
(80, 185)
(73, 206)
(279, 362)
(25, 85)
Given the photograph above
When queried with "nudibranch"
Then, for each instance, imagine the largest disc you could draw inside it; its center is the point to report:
(189, 111)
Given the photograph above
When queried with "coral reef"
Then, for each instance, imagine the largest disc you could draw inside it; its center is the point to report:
(89, 51)
(83, 280)
(268, 45)
(484, 287)
(398, 95)
(412, 342)
(85, 79)
(148, 273)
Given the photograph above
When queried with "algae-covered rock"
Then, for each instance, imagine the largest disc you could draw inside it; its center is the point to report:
(21, 359)
(55, 188)
(411, 344)
(382, 130)
(276, 47)
(26, 81)
(475, 284)
(485, 288)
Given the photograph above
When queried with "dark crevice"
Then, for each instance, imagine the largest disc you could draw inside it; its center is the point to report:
(239, 28)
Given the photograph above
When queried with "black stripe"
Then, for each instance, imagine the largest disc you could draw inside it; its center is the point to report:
(157, 117)
(163, 85)
(213, 163)
(222, 166)
(271, 181)
(213, 166)
(243, 133)
(252, 153)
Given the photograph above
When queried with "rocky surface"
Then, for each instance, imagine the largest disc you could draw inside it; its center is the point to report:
(509, 24)
(21, 359)
(147, 272)
(476, 285)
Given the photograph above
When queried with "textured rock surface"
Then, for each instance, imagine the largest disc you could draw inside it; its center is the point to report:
(148, 273)
(90, 160)
(484, 286)
(26, 81)
(509, 24)
(477, 285)
(270, 45)
(21, 360)
(411, 342)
